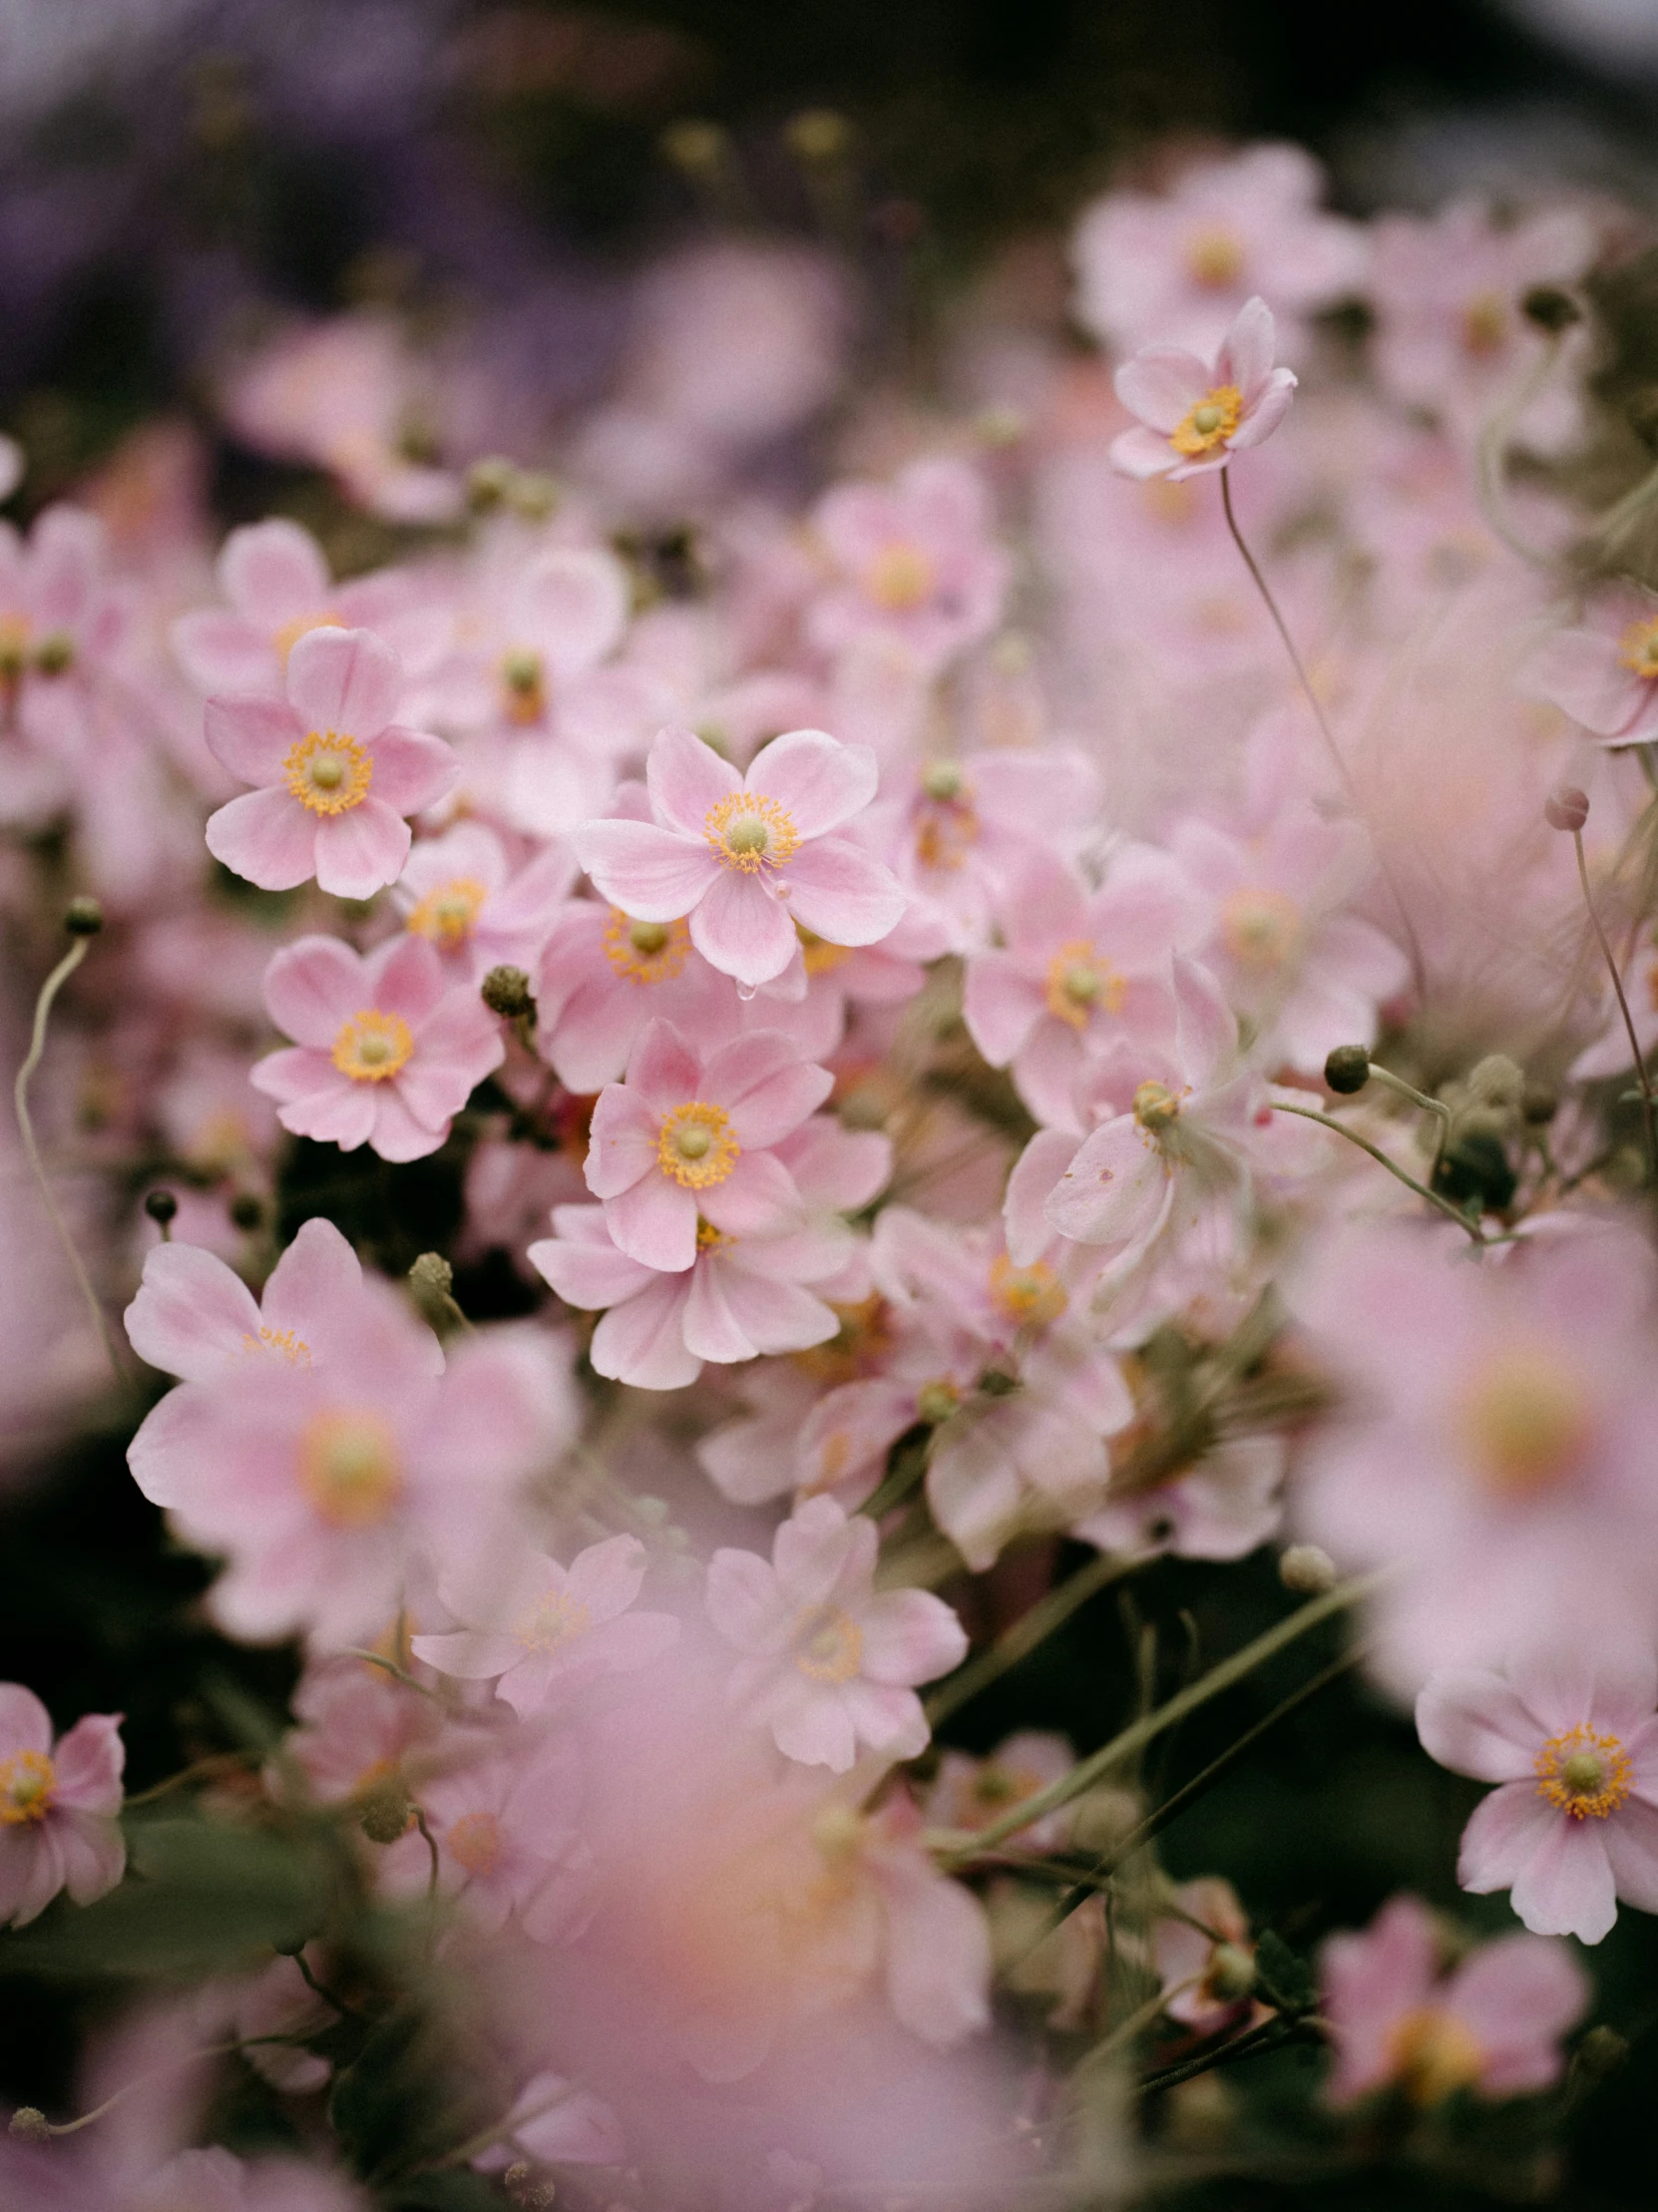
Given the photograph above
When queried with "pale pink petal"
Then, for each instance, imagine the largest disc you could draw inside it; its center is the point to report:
(1142, 454)
(818, 1548)
(88, 1762)
(842, 893)
(665, 1068)
(589, 1276)
(405, 976)
(1519, 1996)
(1036, 1174)
(345, 1116)
(1267, 413)
(711, 1329)
(654, 874)
(272, 570)
(192, 1313)
(938, 1956)
(1581, 671)
(267, 837)
(25, 1724)
(1472, 1721)
(313, 987)
(816, 1730)
(1503, 1833)
(889, 1721)
(412, 771)
(655, 1222)
(1116, 1189)
(777, 1316)
(38, 1872)
(686, 779)
(398, 1134)
(641, 1341)
(360, 851)
(93, 1855)
(317, 1287)
(221, 652)
(821, 782)
(910, 1637)
(1631, 1839)
(251, 737)
(575, 605)
(745, 1603)
(346, 680)
(1002, 1002)
(1566, 1887)
(469, 1657)
(1245, 358)
(623, 1141)
(766, 1095)
(743, 929)
(1161, 384)
(606, 1577)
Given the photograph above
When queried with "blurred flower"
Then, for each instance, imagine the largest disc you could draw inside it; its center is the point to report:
(57, 1807)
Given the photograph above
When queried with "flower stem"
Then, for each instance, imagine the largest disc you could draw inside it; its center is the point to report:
(1419, 969)
(1325, 1121)
(1641, 1077)
(1017, 1642)
(20, 1093)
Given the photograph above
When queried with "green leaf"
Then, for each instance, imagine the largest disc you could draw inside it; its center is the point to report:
(1285, 1980)
(395, 2105)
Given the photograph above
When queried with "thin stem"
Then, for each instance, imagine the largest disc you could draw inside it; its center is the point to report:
(151, 2074)
(1419, 968)
(1149, 1726)
(1031, 1628)
(391, 1667)
(20, 1092)
(1641, 1077)
(1436, 1107)
(321, 1988)
(1141, 2017)
(1324, 1122)
(1625, 510)
(1267, 2036)
(432, 1847)
(1494, 451)
(199, 1770)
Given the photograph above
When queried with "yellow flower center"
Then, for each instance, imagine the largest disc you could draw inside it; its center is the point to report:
(328, 774)
(474, 1842)
(28, 1781)
(284, 1342)
(696, 1145)
(14, 646)
(524, 688)
(555, 1619)
(301, 626)
(1430, 2053)
(447, 914)
(1155, 1107)
(645, 952)
(828, 1645)
(708, 1238)
(1260, 927)
(817, 956)
(1079, 981)
(749, 832)
(1215, 258)
(1638, 647)
(1526, 1418)
(348, 1467)
(947, 824)
(1209, 425)
(1485, 325)
(373, 1046)
(1030, 1296)
(937, 1401)
(1586, 1775)
(900, 578)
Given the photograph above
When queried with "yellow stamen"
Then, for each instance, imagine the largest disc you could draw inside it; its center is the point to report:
(284, 1342)
(1638, 647)
(1430, 2053)
(1079, 981)
(446, 916)
(474, 1842)
(1525, 1416)
(28, 1783)
(696, 1145)
(1260, 927)
(1215, 258)
(645, 952)
(14, 646)
(1155, 1107)
(1586, 1775)
(1485, 325)
(373, 1046)
(348, 1467)
(328, 774)
(1209, 425)
(1030, 1296)
(708, 1238)
(555, 1619)
(749, 832)
(900, 578)
(301, 626)
(828, 1645)
(818, 956)
(947, 824)
(524, 688)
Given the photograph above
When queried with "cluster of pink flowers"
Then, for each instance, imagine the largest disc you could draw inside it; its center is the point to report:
(871, 1008)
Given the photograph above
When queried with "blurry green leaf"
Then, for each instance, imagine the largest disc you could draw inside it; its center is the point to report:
(1287, 1981)
(445, 2192)
(394, 2106)
(199, 1900)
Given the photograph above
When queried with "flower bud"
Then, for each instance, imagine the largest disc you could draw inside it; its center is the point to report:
(936, 1401)
(1307, 1569)
(1539, 1105)
(1496, 1081)
(1601, 2052)
(84, 917)
(1346, 1070)
(1567, 808)
(488, 482)
(385, 1813)
(31, 2123)
(1231, 1972)
(506, 990)
(247, 1212)
(1550, 309)
(162, 1207)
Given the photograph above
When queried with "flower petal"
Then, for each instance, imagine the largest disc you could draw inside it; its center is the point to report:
(820, 782)
(346, 680)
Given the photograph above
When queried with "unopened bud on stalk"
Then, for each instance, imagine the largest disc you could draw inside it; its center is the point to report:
(1307, 1569)
(162, 1207)
(31, 2123)
(1567, 808)
(1601, 2052)
(488, 482)
(384, 1814)
(247, 1212)
(1496, 1081)
(84, 917)
(1550, 309)
(1231, 1972)
(1346, 1070)
(506, 990)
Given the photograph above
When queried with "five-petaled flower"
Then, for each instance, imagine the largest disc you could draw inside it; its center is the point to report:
(1194, 415)
(58, 1803)
(334, 775)
(746, 857)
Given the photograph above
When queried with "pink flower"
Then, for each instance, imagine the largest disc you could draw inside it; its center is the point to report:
(57, 1807)
(335, 775)
(604, 975)
(60, 621)
(914, 563)
(1181, 264)
(745, 857)
(363, 1733)
(461, 894)
(1207, 1970)
(1219, 1507)
(326, 1486)
(277, 581)
(505, 1822)
(1493, 2024)
(1077, 968)
(1604, 674)
(558, 2124)
(388, 1054)
(827, 1664)
(1194, 415)
(688, 1139)
(1572, 1742)
(537, 1627)
(970, 1792)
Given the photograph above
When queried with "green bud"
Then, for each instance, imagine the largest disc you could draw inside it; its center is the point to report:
(506, 990)
(1346, 1070)
(84, 917)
